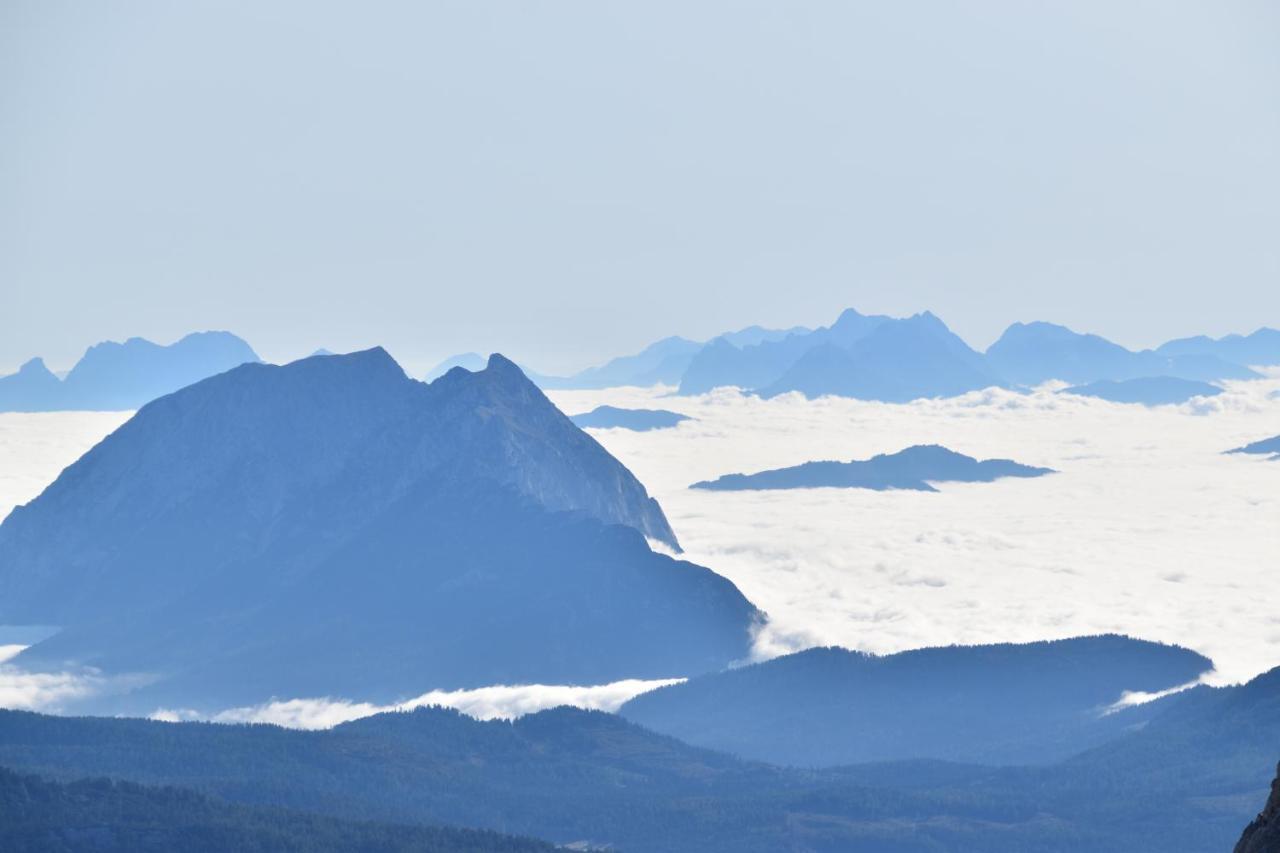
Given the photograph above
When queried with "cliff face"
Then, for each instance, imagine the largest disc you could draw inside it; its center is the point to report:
(1263, 835)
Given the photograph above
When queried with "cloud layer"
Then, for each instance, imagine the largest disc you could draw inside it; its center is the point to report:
(485, 703)
(1148, 529)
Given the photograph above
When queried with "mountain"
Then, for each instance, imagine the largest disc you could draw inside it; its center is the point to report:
(1032, 353)
(470, 361)
(1149, 390)
(661, 363)
(1183, 778)
(641, 420)
(1262, 347)
(897, 361)
(115, 376)
(913, 468)
(1000, 704)
(41, 816)
(738, 361)
(1261, 447)
(357, 533)
(1263, 834)
(34, 388)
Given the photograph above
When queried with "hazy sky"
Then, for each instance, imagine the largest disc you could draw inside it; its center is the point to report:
(565, 181)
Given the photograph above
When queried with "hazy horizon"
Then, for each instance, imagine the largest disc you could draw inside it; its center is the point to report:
(567, 182)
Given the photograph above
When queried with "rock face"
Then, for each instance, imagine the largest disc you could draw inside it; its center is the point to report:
(1149, 391)
(912, 468)
(355, 530)
(640, 420)
(1263, 835)
(115, 376)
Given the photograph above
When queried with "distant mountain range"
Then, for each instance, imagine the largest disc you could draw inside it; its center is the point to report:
(913, 468)
(357, 533)
(640, 420)
(999, 704)
(896, 360)
(111, 376)
(1186, 777)
(1149, 391)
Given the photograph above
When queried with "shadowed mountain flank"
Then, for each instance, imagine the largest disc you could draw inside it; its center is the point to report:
(358, 532)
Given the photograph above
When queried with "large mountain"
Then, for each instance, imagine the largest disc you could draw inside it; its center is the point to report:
(913, 468)
(999, 704)
(115, 376)
(332, 526)
(1032, 353)
(659, 363)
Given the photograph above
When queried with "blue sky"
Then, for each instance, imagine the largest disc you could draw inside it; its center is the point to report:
(566, 181)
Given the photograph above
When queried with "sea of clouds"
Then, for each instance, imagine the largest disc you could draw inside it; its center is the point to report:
(1148, 529)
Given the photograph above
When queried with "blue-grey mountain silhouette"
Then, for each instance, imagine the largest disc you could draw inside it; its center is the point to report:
(750, 364)
(1261, 447)
(332, 526)
(897, 361)
(640, 420)
(913, 468)
(1032, 353)
(471, 361)
(115, 376)
(661, 363)
(1262, 347)
(34, 388)
(1149, 390)
(998, 704)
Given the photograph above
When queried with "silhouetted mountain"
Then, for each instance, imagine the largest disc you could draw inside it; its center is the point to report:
(913, 468)
(359, 533)
(734, 361)
(660, 363)
(1261, 447)
(322, 351)
(1261, 348)
(34, 388)
(1032, 353)
(641, 420)
(1149, 390)
(470, 361)
(96, 815)
(1001, 704)
(1190, 771)
(114, 376)
(1263, 834)
(898, 361)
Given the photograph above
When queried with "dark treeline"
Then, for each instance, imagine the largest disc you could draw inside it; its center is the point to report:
(39, 816)
(1188, 780)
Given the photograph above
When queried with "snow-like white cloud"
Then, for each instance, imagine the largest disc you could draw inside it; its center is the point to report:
(484, 703)
(1148, 529)
(36, 446)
